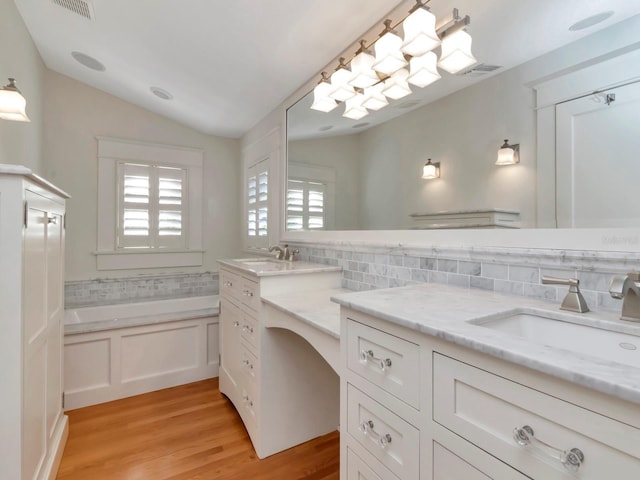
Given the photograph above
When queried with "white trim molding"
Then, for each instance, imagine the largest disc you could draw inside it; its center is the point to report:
(112, 150)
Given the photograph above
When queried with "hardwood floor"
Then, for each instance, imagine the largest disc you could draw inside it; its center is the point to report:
(186, 432)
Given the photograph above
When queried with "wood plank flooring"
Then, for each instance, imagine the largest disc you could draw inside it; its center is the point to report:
(186, 432)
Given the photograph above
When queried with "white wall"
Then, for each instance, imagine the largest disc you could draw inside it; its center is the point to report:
(463, 132)
(341, 154)
(74, 115)
(21, 142)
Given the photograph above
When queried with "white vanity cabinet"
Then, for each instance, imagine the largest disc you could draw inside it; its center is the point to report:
(418, 407)
(265, 371)
(34, 429)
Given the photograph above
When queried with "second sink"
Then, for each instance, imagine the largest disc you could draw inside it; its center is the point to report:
(566, 332)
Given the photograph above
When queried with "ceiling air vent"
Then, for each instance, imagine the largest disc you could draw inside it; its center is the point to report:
(478, 70)
(79, 7)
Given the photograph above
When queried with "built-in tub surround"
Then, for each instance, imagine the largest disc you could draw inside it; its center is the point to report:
(511, 271)
(115, 351)
(107, 291)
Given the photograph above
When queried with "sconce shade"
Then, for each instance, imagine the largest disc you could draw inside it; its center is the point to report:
(456, 52)
(508, 154)
(431, 170)
(363, 74)
(12, 103)
(423, 70)
(389, 58)
(342, 91)
(321, 100)
(396, 86)
(354, 108)
(420, 34)
(374, 99)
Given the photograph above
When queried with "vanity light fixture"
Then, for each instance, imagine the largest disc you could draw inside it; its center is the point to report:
(12, 103)
(385, 74)
(508, 154)
(321, 99)
(431, 170)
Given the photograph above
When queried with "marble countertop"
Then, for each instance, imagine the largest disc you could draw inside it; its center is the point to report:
(269, 266)
(444, 312)
(313, 308)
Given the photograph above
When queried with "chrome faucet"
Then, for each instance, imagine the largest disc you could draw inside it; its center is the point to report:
(627, 289)
(284, 253)
(573, 301)
(279, 251)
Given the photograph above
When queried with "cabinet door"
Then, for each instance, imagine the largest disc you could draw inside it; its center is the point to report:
(55, 315)
(449, 466)
(35, 333)
(230, 328)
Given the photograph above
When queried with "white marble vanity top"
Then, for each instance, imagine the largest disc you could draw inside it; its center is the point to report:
(269, 266)
(313, 308)
(444, 312)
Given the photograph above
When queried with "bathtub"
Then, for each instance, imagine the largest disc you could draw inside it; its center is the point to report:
(115, 351)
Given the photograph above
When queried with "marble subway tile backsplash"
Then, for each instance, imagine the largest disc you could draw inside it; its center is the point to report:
(131, 289)
(509, 271)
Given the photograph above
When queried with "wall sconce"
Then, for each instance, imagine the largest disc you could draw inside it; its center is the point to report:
(431, 170)
(508, 154)
(12, 103)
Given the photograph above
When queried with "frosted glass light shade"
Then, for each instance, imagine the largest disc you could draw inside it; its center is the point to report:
(423, 70)
(456, 52)
(508, 154)
(342, 91)
(374, 99)
(420, 34)
(321, 100)
(12, 104)
(431, 170)
(389, 58)
(363, 75)
(396, 86)
(354, 108)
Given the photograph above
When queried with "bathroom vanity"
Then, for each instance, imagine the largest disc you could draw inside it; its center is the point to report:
(285, 392)
(439, 382)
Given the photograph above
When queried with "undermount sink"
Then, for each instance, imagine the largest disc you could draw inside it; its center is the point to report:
(568, 332)
(258, 261)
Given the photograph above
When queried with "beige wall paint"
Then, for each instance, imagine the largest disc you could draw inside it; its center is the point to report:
(21, 143)
(74, 115)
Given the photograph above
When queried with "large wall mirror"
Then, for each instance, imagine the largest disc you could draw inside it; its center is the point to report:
(366, 174)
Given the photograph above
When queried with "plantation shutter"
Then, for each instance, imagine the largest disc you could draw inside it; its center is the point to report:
(305, 205)
(151, 209)
(258, 205)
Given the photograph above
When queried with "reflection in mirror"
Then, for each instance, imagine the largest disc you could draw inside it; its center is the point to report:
(367, 174)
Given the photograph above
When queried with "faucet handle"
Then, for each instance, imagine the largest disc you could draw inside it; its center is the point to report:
(616, 286)
(573, 301)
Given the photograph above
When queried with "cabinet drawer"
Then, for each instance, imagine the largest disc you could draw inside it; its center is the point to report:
(231, 285)
(357, 469)
(249, 364)
(486, 409)
(386, 360)
(393, 441)
(249, 329)
(250, 293)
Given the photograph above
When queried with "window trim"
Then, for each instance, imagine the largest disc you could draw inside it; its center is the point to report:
(114, 150)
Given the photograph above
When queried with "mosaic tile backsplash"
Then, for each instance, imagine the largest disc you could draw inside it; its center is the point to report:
(510, 272)
(132, 289)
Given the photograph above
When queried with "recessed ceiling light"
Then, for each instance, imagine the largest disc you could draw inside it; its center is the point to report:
(325, 128)
(591, 21)
(161, 93)
(361, 125)
(408, 104)
(88, 61)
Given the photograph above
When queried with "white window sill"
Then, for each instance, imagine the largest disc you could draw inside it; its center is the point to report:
(134, 258)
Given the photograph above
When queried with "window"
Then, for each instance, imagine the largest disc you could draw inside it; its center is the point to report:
(258, 205)
(305, 205)
(150, 205)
